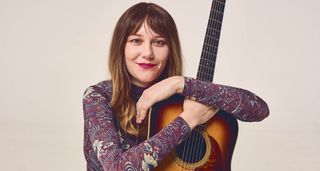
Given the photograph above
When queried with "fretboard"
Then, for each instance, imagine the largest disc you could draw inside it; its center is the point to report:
(211, 42)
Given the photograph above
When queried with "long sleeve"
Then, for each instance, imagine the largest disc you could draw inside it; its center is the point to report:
(102, 142)
(241, 103)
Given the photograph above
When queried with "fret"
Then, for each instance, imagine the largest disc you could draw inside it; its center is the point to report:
(209, 53)
(208, 61)
(218, 26)
(212, 36)
(206, 68)
(204, 76)
(211, 41)
(208, 57)
(208, 44)
(206, 64)
(214, 27)
(218, 17)
(215, 19)
(215, 34)
(221, 7)
(209, 37)
(209, 48)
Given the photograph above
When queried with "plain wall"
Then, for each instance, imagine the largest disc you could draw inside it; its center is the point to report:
(50, 51)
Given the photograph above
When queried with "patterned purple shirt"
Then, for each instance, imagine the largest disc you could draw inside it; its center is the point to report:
(108, 147)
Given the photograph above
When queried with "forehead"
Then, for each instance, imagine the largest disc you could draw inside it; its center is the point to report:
(145, 29)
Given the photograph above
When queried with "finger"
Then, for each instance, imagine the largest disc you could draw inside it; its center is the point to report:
(142, 115)
(214, 110)
(138, 112)
(141, 106)
(137, 117)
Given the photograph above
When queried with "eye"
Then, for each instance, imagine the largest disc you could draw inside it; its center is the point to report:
(159, 43)
(135, 41)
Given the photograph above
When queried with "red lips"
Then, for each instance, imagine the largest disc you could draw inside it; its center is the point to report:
(146, 65)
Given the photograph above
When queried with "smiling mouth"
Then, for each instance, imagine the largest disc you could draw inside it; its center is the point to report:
(146, 65)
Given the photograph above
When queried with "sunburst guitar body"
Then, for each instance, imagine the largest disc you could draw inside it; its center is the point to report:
(209, 147)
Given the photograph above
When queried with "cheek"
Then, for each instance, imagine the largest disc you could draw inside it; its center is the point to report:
(161, 53)
(127, 52)
(164, 55)
(129, 57)
(130, 52)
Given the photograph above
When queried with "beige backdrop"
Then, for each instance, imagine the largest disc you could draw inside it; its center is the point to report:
(50, 51)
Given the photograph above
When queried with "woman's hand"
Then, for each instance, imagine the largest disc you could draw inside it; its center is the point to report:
(195, 113)
(158, 92)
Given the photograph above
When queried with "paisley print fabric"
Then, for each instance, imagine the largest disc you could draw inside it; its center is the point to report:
(108, 147)
(241, 103)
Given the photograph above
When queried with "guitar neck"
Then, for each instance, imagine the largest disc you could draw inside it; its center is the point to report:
(211, 42)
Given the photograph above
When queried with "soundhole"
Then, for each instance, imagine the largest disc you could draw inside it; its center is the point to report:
(193, 149)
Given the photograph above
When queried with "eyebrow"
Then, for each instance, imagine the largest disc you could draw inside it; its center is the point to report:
(139, 35)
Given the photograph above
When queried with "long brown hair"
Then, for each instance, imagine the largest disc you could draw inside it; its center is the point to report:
(160, 21)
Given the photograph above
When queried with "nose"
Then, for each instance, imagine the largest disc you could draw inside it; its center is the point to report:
(147, 51)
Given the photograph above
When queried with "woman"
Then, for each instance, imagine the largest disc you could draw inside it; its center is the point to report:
(145, 67)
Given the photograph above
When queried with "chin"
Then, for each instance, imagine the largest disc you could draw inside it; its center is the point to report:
(147, 81)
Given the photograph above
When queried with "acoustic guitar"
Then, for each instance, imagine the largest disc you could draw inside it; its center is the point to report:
(210, 146)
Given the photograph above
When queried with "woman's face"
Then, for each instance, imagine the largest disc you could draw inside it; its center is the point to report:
(146, 54)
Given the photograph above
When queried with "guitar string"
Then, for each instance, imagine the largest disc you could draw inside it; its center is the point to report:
(206, 76)
(191, 157)
(195, 154)
(200, 139)
(202, 128)
(210, 33)
(188, 148)
(184, 151)
(199, 144)
(196, 142)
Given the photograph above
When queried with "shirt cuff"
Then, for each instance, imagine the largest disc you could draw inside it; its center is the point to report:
(189, 88)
